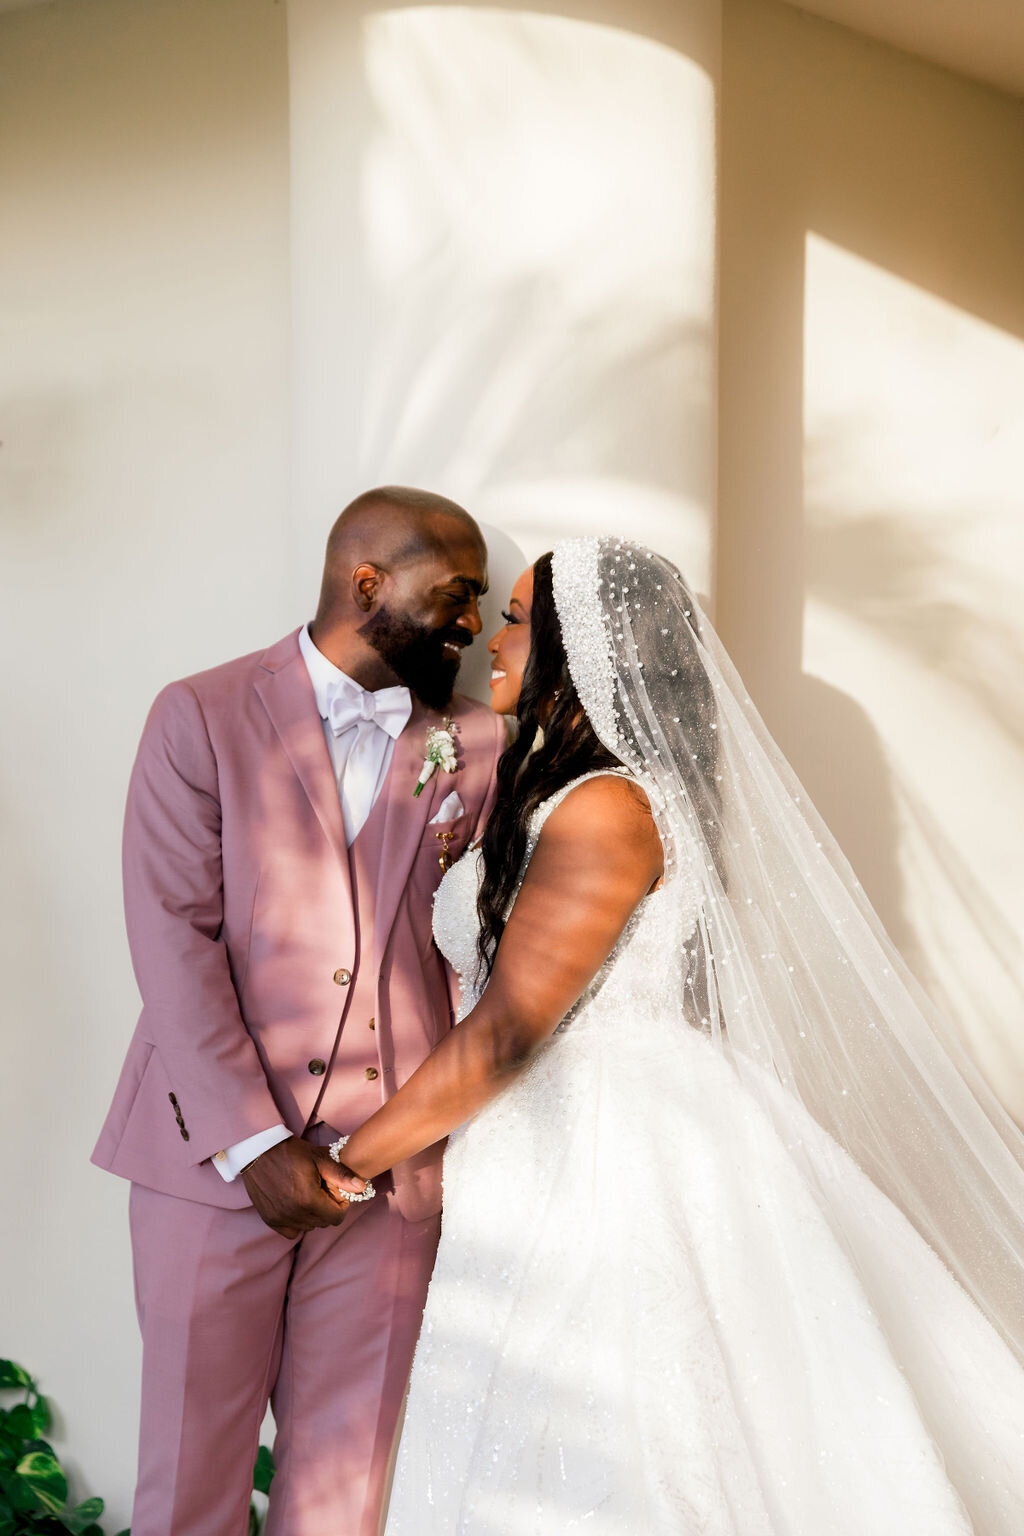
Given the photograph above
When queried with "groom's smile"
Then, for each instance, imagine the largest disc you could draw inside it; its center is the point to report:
(428, 612)
(426, 659)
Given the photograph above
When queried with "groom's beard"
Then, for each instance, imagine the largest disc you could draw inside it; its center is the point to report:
(415, 653)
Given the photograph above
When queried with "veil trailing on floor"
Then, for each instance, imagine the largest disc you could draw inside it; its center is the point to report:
(787, 968)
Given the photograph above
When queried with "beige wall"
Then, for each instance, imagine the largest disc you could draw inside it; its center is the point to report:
(517, 353)
(518, 305)
(870, 567)
(143, 483)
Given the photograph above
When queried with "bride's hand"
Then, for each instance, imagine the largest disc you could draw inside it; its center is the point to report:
(338, 1180)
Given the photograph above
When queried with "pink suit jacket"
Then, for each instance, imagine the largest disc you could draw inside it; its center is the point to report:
(243, 924)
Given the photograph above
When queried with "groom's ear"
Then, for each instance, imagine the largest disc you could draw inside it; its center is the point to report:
(367, 581)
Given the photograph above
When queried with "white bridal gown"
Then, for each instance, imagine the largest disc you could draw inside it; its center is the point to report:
(643, 1321)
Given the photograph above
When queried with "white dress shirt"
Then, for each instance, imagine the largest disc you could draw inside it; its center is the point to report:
(361, 756)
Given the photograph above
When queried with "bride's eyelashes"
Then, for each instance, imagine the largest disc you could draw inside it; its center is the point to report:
(508, 618)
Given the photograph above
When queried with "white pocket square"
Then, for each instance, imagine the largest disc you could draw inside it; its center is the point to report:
(451, 806)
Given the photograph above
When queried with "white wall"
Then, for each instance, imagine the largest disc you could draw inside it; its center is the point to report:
(143, 484)
(514, 341)
(870, 574)
(503, 288)
(503, 267)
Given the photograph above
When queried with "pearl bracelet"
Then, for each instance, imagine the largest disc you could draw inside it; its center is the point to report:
(335, 1149)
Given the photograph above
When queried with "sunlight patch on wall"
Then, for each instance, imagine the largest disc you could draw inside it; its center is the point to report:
(517, 297)
(537, 201)
(914, 459)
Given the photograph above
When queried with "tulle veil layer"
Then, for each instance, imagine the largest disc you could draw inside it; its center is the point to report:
(789, 971)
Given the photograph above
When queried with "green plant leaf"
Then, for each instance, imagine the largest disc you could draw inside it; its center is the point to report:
(263, 1472)
(41, 1472)
(12, 1376)
(33, 1485)
(11, 1445)
(19, 1495)
(41, 1415)
(83, 1516)
(21, 1421)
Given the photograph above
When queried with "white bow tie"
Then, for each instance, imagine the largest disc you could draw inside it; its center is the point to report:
(349, 705)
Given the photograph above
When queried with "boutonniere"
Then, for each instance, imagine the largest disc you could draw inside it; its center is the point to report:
(440, 753)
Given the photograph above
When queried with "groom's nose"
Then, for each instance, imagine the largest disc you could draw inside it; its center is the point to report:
(469, 618)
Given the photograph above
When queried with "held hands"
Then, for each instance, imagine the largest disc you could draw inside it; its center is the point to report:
(295, 1188)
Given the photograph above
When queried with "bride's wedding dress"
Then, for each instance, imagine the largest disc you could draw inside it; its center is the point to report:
(741, 1252)
(645, 1320)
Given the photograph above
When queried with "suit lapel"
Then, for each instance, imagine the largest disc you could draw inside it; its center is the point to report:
(405, 819)
(287, 694)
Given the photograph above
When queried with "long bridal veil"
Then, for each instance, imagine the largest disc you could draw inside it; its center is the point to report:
(740, 1251)
(789, 971)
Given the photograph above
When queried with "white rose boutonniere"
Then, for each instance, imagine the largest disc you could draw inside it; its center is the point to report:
(440, 753)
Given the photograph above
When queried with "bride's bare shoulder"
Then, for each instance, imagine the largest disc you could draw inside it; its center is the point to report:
(611, 807)
(606, 792)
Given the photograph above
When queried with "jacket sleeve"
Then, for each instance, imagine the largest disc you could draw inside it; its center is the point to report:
(173, 891)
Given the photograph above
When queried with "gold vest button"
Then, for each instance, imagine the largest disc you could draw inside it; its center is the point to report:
(373, 1023)
(317, 1067)
(371, 1073)
(343, 977)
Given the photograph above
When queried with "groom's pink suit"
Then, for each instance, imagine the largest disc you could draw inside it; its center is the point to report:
(284, 978)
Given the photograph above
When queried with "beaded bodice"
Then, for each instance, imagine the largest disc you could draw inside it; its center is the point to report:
(456, 925)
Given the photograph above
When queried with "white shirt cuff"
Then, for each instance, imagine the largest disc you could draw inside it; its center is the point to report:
(232, 1160)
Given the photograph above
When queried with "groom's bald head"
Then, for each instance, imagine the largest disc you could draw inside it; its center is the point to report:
(403, 571)
(390, 527)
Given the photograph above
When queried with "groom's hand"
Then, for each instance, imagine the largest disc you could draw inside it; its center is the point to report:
(287, 1190)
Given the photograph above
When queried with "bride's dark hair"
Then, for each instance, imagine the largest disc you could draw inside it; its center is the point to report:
(569, 748)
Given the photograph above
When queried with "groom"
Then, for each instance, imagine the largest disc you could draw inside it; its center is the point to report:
(279, 873)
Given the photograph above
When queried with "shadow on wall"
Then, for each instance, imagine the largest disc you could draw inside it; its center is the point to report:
(871, 450)
(533, 331)
(520, 314)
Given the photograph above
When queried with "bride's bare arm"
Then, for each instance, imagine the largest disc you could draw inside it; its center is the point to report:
(598, 855)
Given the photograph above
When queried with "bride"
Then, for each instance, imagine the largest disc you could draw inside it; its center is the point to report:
(733, 1235)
